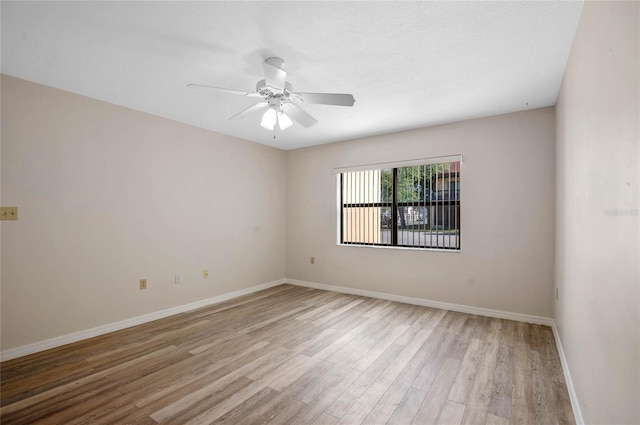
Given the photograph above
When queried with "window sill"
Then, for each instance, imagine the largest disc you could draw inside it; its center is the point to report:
(403, 248)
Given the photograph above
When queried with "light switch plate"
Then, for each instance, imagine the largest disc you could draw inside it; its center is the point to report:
(8, 213)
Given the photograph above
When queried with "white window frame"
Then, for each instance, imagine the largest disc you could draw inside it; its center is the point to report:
(438, 239)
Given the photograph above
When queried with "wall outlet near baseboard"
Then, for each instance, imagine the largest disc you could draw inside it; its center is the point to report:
(313, 260)
(143, 283)
(205, 274)
(177, 279)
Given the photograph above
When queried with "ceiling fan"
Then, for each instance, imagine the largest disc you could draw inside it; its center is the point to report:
(279, 99)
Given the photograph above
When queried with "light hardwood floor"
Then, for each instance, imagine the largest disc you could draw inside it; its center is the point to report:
(291, 355)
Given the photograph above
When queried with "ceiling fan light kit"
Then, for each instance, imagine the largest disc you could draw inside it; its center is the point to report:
(279, 99)
(269, 119)
(284, 121)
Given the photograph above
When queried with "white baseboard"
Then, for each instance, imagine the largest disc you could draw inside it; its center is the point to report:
(111, 327)
(573, 397)
(428, 303)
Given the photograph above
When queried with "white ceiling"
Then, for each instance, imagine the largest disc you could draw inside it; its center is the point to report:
(408, 64)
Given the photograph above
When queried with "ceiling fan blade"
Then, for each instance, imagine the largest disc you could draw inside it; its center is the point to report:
(229, 91)
(274, 74)
(298, 115)
(337, 99)
(250, 110)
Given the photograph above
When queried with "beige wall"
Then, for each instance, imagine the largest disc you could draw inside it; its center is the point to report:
(506, 262)
(108, 195)
(598, 259)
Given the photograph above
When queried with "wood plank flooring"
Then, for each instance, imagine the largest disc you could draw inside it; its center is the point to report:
(291, 355)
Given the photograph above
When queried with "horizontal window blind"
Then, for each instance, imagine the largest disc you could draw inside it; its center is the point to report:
(416, 206)
(398, 164)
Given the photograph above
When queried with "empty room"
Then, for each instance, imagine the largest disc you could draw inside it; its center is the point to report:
(318, 213)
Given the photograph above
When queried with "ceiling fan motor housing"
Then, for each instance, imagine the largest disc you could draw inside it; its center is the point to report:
(269, 92)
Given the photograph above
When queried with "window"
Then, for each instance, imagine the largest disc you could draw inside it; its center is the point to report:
(416, 205)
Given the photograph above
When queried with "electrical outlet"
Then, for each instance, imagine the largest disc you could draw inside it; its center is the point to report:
(143, 283)
(177, 279)
(313, 260)
(205, 274)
